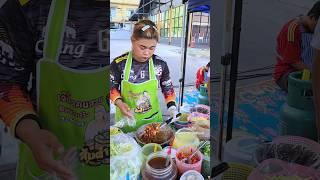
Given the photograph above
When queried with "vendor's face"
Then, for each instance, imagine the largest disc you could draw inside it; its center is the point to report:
(143, 49)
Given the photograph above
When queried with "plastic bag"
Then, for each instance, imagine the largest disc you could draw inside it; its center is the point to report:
(69, 159)
(289, 152)
(126, 121)
(126, 157)
(200, 125)
(275, 169)
(200, 108)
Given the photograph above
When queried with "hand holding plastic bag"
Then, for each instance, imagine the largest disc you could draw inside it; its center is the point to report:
(129, 121)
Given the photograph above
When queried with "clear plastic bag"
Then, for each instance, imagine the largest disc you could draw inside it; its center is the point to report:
(200, 108)
(275, 169)
(200, 124)
(69, 159)
(131, 121)
(126, 157)
(299, 153)
(126, 121)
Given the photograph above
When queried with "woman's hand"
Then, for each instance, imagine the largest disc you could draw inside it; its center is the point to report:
(43, 145)
(124, 108)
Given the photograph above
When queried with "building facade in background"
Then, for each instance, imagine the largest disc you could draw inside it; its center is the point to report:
(169, 17)
(121, 11)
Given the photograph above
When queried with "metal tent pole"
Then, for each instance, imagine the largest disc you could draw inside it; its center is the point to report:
(221, 33)
(234, 65)
(225, 61)
(184, 57)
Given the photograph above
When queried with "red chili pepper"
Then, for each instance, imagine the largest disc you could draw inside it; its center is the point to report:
(194, 158)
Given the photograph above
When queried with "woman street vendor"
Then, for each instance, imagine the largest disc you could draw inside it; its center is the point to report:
(135, 77)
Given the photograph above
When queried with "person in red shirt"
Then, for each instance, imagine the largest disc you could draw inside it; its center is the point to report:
(201, 76)
(293, 46)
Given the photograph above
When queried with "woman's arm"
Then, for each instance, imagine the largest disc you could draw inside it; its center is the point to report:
(115, 87)
(16, 64)
(115, 81)
(166, 85)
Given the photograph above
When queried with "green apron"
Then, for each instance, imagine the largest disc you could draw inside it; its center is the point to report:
(72, 104)
(141, 97)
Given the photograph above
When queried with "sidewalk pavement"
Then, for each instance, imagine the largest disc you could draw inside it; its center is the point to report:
(195, 52)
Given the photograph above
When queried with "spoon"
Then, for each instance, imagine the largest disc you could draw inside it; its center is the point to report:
(171, 120)
(189, 158)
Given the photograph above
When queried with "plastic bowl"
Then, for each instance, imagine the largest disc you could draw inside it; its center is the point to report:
(200, 108)
(181, 124)
(293, 149)
(182, 166)
(193, 173)
(196, 116)
(149, 148)
(185, 137)
(166, 132)
(184, 117)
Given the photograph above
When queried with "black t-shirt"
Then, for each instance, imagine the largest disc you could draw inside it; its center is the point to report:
(84, 44)
(22, 30)
(140, 73)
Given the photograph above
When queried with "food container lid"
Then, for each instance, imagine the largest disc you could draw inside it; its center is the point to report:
(191, 175)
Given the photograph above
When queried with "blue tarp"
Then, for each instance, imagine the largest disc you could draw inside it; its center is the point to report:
(257, 109)
(199, 5)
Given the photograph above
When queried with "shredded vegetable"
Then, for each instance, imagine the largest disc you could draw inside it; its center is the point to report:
(125, 157)
(119, 148)
(114, 131)
(183, 117)
(206, 150)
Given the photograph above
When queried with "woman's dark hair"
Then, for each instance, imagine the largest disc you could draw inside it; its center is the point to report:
(315, 10)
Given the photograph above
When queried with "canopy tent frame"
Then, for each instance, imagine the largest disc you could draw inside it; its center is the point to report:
(141, 9)
(230, 55)
(217, 167)
(234, 64)
(192, 6)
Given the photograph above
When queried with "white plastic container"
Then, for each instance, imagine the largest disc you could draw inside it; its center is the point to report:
(241, 150)
(191, 175)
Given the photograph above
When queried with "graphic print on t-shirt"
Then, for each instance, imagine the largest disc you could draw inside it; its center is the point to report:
(70, 46)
